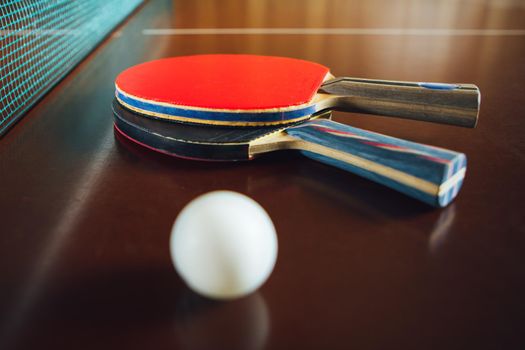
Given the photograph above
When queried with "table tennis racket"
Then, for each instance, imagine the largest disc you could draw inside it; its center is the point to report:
(430, 174)
(250, 90)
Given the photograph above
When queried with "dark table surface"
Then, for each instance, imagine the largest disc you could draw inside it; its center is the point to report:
(86, 217)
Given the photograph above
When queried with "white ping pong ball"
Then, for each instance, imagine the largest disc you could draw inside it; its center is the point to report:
(223, 244)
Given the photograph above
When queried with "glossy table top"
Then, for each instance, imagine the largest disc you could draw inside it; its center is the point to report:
(86, 216)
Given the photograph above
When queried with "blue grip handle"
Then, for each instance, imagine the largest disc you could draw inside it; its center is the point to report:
(430, 174)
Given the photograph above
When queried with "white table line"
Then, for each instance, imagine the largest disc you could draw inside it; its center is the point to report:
(335, 31)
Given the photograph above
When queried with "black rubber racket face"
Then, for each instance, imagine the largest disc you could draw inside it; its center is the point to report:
(188, 140)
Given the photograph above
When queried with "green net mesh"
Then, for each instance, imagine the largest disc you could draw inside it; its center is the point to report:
(42, 40)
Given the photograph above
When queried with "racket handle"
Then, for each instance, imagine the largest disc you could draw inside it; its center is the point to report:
(455, 104)
(430, 174)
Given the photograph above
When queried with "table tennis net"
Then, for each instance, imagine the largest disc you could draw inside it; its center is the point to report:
(42, 40)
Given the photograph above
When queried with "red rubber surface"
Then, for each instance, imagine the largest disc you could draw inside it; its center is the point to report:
(246, 82)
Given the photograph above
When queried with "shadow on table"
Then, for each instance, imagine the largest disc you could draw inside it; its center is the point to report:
(145, 305)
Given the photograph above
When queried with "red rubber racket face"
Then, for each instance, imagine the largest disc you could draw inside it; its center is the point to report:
(224, 82)
(222, 88)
